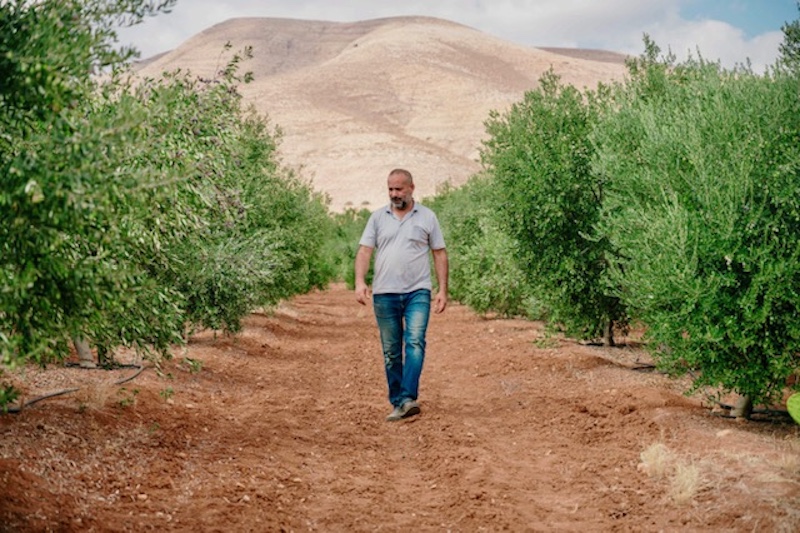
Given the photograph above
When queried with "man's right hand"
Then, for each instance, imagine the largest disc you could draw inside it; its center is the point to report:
(363, 257)
(362, 293)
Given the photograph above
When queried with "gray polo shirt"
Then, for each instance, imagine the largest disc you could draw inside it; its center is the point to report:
(401, 248)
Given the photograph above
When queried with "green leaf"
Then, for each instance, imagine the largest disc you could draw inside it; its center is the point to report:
(793, 406)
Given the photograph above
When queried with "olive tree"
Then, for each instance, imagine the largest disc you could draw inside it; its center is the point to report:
(703, 215)
(65, 181)
(484, 272)
(130, 210)
(539, 155)
(790, 47)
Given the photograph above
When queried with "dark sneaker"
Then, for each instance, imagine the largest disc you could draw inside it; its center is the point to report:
(407, 409)
(410, 408)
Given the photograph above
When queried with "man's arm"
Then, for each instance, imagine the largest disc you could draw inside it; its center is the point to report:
(363, 257)
(440, 264)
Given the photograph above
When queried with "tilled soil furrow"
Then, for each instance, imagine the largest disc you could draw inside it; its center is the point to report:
(282, 428)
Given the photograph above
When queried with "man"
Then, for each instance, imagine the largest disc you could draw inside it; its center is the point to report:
(403, 233)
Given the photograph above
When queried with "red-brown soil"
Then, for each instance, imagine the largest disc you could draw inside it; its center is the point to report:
(283, 430)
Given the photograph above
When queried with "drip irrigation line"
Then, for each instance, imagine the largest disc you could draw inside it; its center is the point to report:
(19, 408)
(115, 366)
(768, 414)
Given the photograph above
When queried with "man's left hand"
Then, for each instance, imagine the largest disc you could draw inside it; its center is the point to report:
(439, 302)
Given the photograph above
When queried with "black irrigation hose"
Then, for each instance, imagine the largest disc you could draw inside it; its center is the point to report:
(115, 366)
(19, 408)
(769, 414)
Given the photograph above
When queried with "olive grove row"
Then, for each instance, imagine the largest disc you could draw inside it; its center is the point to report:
(669, 201)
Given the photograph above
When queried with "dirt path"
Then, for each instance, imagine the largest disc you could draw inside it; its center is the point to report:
(283, 430)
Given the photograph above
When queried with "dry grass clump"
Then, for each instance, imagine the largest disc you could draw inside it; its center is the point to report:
(685, 482)
(685, 478)
(656, 460)
(95, 396)
(789, 462)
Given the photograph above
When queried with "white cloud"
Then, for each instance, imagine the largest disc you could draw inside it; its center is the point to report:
(715, 40)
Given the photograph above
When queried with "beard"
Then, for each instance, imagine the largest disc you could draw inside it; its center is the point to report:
(400, 203)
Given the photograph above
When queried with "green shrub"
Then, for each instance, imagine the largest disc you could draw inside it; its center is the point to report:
(69, 185)
(342, 244)
(484, 273)
(261, 229)
(539, 156)
(129, 210)
(703, 214)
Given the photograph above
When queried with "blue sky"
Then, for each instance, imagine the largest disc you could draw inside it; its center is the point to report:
(753, 16)
(731, 31)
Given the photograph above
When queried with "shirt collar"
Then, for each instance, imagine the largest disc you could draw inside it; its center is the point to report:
(413, 209)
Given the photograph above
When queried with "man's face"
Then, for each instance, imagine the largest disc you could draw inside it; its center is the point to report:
(400, 191)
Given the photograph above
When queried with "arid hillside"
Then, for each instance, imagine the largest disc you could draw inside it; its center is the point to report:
(357, 99)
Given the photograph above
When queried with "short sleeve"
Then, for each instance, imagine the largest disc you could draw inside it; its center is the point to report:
(369, 237)
(436, 238)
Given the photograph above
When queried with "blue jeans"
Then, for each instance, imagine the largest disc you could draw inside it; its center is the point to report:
(402, 321)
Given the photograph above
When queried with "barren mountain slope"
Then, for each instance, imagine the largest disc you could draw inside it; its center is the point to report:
(357, 99)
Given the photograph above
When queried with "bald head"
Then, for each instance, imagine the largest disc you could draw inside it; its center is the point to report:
(403, 172)
(401, 189)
